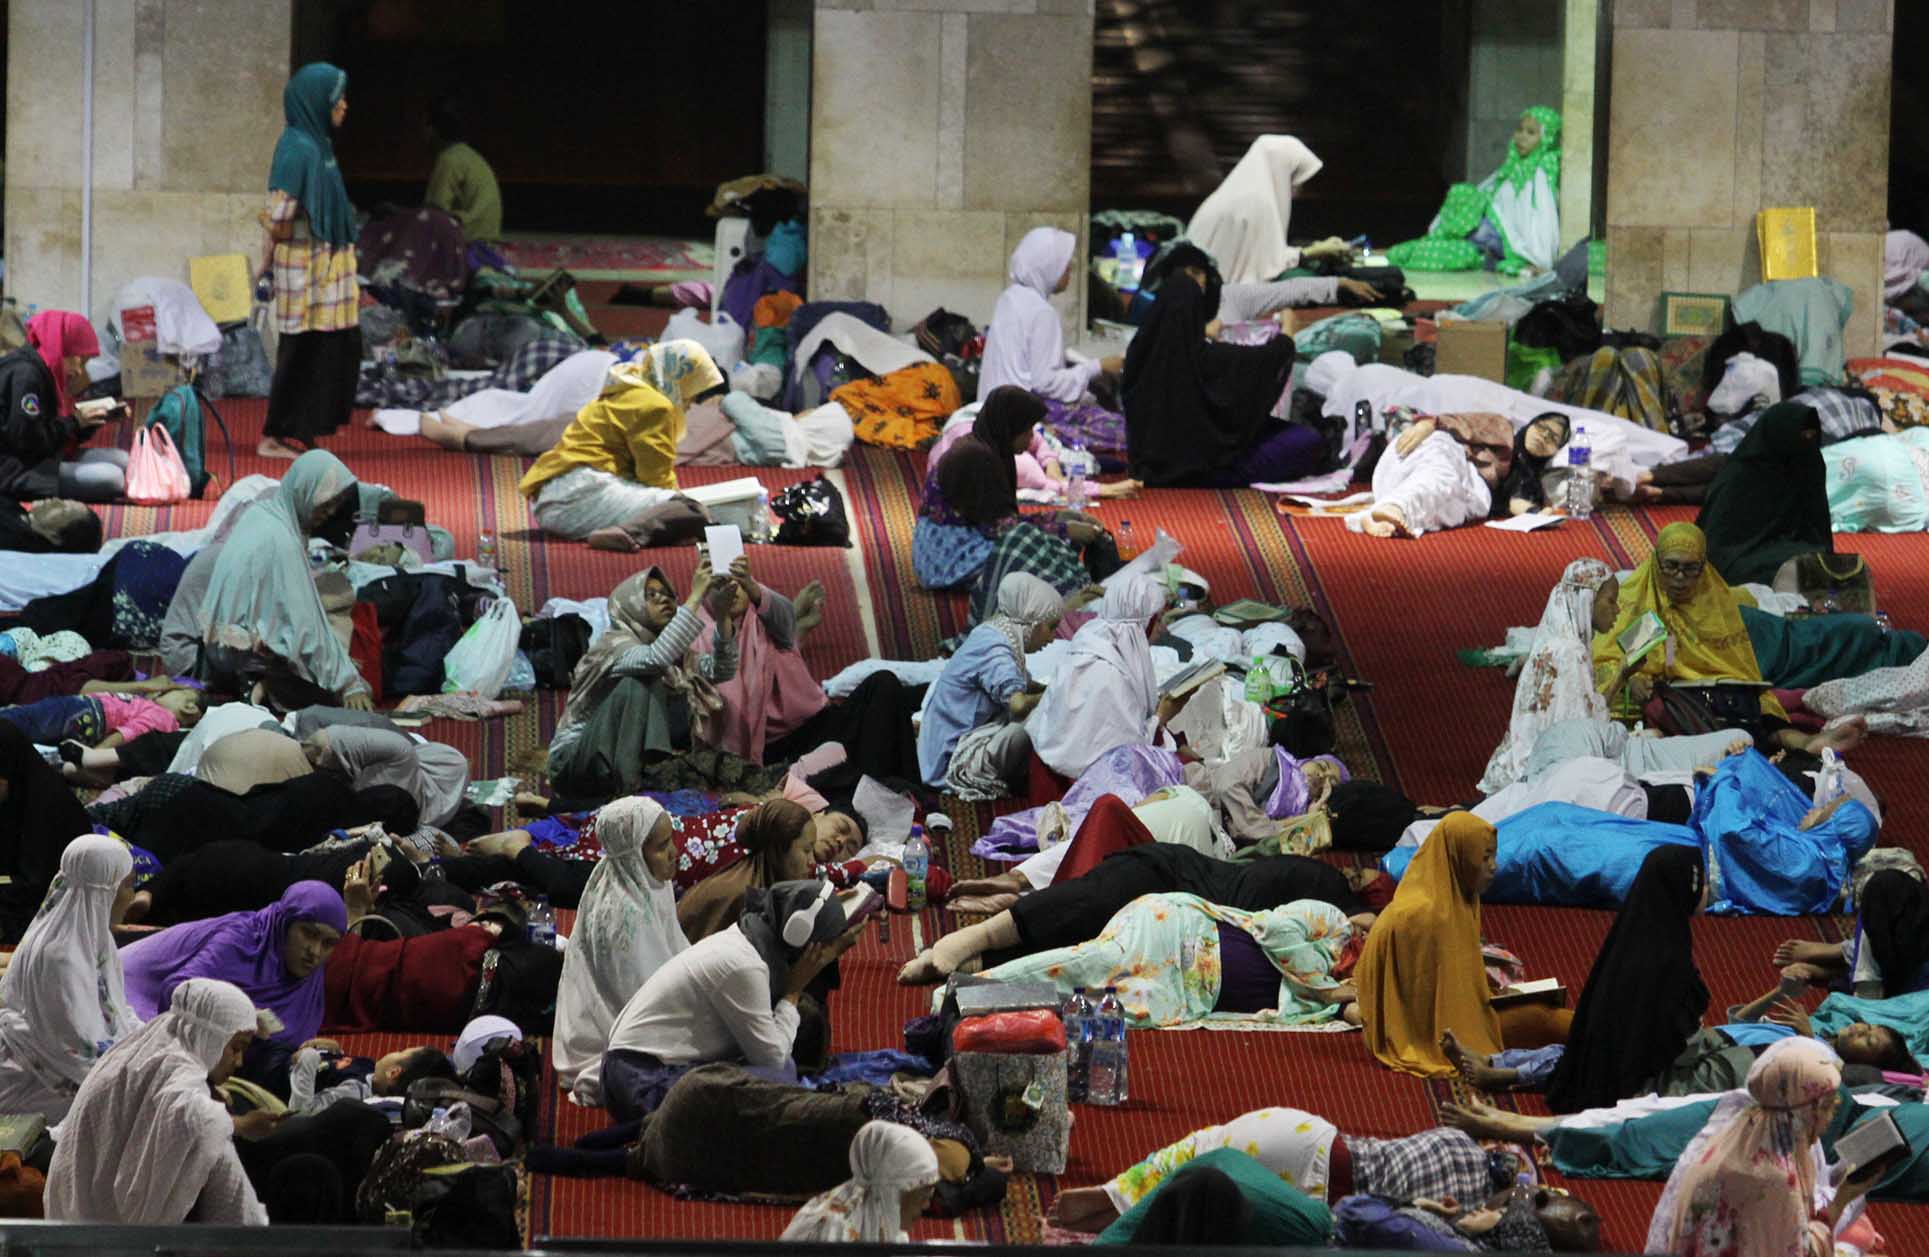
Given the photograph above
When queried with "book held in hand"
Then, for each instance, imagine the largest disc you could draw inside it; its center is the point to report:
(1191, 678)
(1639, 639)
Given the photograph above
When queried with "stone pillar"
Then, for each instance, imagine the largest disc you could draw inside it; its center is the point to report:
(187, 108)
(1580, 27)
(1720, 108)
(941, 133)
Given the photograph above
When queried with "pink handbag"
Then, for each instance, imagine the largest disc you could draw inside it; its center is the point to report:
(155, 472)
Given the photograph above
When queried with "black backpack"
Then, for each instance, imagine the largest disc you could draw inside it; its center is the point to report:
(812, 515)
(555, 644)
(519, 981)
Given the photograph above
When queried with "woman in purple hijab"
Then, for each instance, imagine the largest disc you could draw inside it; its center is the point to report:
(276, 955)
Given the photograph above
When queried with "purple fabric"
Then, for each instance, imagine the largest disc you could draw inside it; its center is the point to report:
(243, 948)
(1289, 451)
(1248, 980)
(1292, 794)
(1099, 430)
(752, 281)
(1131, 772)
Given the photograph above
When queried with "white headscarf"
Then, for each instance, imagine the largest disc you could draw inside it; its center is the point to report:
(1022, 602)
(1243, 223)
(1905, 256)
(1040, 259)
(1327, 370)
(1105, 693)
(1557, 681)
(477, 1036)
(146, 1142)
(887, 1160)
(63, 1002)
(626, 929)
(1025, 339)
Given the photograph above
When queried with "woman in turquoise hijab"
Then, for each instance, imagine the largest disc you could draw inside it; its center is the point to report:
(309, 259)
(1510, 221)
(265, 620)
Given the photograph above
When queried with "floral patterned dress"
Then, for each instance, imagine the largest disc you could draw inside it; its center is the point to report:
(1162, 953)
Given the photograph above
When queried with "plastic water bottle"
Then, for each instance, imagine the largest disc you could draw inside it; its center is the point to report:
(1580, 481)
(1105, 1081)
(1127, 541)
(486, 551)
(1076, 470)
(1077, 1013)
(917, 868)
(542, 923)
(1259, 682)
(1828, 782)
(762, 531)
(1127, 270)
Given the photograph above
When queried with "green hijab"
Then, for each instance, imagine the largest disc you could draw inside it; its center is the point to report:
(1517, 171)
(304, 165)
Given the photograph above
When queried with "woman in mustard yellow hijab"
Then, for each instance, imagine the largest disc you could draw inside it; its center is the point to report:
(1707, 640)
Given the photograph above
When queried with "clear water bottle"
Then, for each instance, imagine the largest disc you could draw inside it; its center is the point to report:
(762, 532)
(1127, 269)
(486, 551)
(1077, 1013)
(917, 869)
(1076, 470)
(1106, 1077)
(542, 922)
(1580, 480)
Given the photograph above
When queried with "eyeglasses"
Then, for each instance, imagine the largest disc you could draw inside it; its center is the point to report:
(1674, 568)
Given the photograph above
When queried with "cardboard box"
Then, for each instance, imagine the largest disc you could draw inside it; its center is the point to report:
(146, 372)
(1478, 349)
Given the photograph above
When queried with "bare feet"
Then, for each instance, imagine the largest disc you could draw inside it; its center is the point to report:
(1086, 1209)
(1473, 1070)
(614, 539)
(1796, 977)
(271, 447)
(1000, 884)
(507, 845)
(1351, 1015)
(1484, 1121)
(1840, 736)
(1797, 951)
(1121, 489)
(446, 430)
(530, 801)
(980, 905)
(922, 971)
(1386, 521)
(138, 907)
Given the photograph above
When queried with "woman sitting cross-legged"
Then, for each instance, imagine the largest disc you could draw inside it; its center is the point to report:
(618, 456)
(969, 527)
(1177, 959)
(972, 740)
(732, 996)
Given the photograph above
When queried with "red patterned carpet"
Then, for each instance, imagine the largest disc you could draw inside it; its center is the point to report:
(1402, 610)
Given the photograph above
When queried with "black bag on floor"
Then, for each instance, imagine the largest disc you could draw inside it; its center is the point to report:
(812, 515)
(1570, 324)
(1389, 281)
(519, 981)
(555, 644)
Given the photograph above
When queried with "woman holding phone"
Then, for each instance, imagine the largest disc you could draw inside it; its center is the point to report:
(38, 384)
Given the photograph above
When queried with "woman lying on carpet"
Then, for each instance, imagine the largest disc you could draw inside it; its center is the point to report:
(1105, 694)
(1886, 955)
(1199, 412)
(262, 616)
(617, 457)
(1717, 633)
(1779, 853)
(174, 814)
(969, 527)
(1127, 861)
(1311, 1154)
(893, 1175)
(713, 1001)
(972, 739)
(772, 711)
(1177, 959)
(1440, 473)
(502, 421)
(62, 999)
(78, 723)
(49, 526)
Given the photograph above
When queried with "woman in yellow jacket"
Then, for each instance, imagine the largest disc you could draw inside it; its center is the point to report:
(618, 456)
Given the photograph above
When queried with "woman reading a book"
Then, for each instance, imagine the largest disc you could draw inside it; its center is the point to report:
(1678, 622)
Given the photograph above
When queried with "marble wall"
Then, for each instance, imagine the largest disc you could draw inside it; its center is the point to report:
(942, 131)
(1514, 60)
(187, 108)
(1721, 108)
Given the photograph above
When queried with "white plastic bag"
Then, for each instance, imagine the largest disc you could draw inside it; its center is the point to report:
(481, 660)
(723, 337)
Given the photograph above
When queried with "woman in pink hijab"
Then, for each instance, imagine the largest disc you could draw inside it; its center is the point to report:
(39, 432)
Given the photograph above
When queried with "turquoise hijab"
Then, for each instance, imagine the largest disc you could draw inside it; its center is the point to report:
(304, 165)
(262, 594)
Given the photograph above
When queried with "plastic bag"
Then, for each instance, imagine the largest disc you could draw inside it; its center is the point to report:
(481, 660)
(722, 337)
(1037, 1032)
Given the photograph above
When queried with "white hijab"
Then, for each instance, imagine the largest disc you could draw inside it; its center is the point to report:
(1905, 256)
(63, 1002)
(1243, 223)
(1557, 681)
(887, 1160)
(1025, 341)
(1105, 693)
(146, 1141)
(626, 929)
